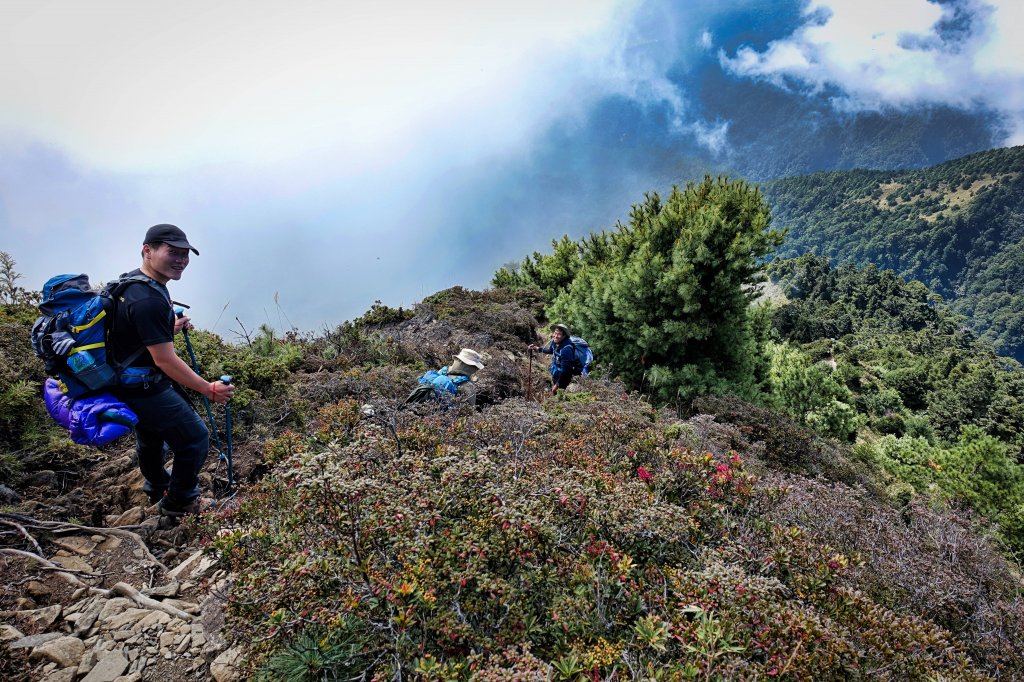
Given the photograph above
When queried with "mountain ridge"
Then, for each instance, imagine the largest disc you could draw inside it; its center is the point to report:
(957, 226)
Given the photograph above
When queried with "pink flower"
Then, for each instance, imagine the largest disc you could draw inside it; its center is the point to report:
(644, 474)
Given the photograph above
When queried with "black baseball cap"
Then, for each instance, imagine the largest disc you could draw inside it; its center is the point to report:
(168, 234)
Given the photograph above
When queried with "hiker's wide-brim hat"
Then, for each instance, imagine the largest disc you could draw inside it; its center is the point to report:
(470, 357)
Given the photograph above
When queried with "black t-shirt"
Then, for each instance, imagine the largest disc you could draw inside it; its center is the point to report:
(144, 317)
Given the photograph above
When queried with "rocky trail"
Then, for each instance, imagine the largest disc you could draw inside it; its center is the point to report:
(130, 598)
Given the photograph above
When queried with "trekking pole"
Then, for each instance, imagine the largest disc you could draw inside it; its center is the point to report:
(195, 366)
(226, 455)
(529, 380)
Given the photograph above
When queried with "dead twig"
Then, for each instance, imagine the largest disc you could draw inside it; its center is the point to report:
(24, 533)
(126, 590)
(47, 565)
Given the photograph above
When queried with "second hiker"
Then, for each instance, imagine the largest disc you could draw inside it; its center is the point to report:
(563, 349)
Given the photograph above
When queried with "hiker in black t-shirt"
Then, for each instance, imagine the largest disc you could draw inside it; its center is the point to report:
(145, 318)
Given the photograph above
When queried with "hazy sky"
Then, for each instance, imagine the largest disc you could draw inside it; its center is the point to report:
(333, 153)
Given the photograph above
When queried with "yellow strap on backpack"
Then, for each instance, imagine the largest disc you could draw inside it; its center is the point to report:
(79, 349)
(83, 327)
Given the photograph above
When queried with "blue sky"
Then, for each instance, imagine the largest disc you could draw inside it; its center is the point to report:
(328, 154)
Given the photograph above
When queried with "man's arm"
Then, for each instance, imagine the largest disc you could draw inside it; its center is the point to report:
(546, 349)
(175, 368)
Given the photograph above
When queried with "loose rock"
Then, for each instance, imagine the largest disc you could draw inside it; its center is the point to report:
(76, 544)
(65, 652)
(41, 619)
(9, 633)
(108, 668)
(225, 667)
(62, 675)
(33, 641)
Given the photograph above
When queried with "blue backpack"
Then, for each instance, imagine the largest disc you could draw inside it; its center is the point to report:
(71, 333)
(582, 356)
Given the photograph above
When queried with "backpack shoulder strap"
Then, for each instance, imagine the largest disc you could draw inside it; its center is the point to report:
(117, 287)
(114, 291)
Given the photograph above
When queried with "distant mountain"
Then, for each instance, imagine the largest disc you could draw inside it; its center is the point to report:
(958, 227)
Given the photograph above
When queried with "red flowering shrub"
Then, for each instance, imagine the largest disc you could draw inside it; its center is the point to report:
(581, 539)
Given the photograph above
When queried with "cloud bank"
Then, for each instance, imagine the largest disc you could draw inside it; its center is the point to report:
(873, 54)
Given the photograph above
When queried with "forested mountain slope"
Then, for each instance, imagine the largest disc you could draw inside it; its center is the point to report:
(957, 226)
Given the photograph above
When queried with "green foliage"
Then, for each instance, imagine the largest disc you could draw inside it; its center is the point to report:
(551, 273)
(380, 314)
(957, 227)
(261, 370)
(29, 439)
(950, 409)
(907, 360)
(666, 297)
(317, 654)
(10, 292)
(808, 391)
(978, 470)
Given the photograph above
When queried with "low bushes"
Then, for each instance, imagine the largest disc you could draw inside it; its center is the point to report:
(578, 540)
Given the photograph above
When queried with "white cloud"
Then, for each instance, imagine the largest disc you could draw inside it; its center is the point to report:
(156, 86)
(880, 53)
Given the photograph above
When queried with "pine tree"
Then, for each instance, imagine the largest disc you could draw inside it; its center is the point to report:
(665, 299)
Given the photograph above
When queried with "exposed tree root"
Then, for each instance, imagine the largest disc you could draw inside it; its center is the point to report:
(66, 527)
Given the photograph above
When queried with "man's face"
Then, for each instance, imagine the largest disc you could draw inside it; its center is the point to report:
(166, 260)
(557, 336)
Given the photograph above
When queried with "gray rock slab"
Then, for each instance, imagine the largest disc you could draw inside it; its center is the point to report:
(32, 641)
(41, 618)
(108, 668)
(87, 618)
(225, 667)
(76, 544)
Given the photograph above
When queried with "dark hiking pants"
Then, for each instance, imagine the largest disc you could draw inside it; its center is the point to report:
(166, 419)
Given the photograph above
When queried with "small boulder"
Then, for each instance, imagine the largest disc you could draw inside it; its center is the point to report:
(64, 651)
(32, 641)
(61, 675)
(40, 619)
(9, 633)
(108, 668)
(76, 544)
(225, 667)
(8, 496)
(38, 590)
(132, 517)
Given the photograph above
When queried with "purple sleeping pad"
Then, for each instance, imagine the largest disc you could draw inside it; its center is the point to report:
(93, 420)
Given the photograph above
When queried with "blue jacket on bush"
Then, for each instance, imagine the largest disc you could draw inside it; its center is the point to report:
(441, 382)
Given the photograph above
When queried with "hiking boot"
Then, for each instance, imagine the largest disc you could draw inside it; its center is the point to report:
(168, 508)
